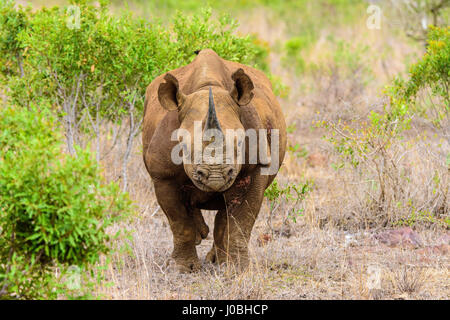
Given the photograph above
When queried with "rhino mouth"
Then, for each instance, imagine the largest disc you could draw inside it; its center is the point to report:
(205, 187)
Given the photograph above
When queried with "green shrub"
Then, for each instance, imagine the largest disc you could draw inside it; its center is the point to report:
(295, 48)
(290, 198)
(431, 73)
(200, 32)
(12, 22)
(54, 208)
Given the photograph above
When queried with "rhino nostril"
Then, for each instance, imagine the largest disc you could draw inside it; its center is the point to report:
(230, 172)
(201, 173)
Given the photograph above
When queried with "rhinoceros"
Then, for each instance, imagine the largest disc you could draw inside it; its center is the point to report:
(212, 94)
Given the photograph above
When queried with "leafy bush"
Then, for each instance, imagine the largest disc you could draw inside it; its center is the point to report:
(287, 201)
(54, 208)
(430, 73)
(201, 32)
(295, 48)
(12, 22)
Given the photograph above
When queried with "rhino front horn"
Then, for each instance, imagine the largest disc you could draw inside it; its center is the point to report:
(211, 121)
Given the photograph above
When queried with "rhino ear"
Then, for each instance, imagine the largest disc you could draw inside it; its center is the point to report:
(169, 95)
(242, 91)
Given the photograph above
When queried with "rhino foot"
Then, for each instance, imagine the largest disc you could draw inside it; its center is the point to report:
(216, 256)
(185, 265)
(186, 259)
(211, 256)
(188, 266)
(239, 261)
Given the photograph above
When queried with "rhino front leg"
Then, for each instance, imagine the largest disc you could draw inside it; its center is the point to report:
(233, 225)
(182, 225)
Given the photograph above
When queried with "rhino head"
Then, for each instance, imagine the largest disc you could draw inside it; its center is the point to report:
(209, 115)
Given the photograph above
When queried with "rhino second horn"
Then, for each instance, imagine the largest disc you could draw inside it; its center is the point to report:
(211, 121)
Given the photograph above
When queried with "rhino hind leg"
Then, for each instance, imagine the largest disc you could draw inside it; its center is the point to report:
(201, 227)
(217, 253)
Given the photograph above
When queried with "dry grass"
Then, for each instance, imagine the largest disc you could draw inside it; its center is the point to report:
(313, 263)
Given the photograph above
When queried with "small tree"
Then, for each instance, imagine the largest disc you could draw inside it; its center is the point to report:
(54, 208)
(288, 200)
(12, 22)
(427, 89)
